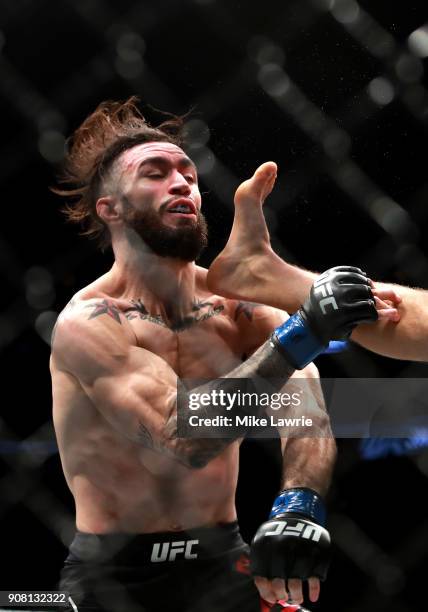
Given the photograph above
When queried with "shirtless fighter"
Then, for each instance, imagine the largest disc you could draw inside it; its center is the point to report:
(155, 514)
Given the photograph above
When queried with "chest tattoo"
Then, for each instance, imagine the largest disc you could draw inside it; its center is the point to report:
(245, 308)
(105, 307)
(201, 311)
(138, 311)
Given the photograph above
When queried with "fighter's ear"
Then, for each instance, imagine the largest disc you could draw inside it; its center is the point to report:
(108, 209)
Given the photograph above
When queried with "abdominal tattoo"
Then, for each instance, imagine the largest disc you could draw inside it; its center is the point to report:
(201, 311)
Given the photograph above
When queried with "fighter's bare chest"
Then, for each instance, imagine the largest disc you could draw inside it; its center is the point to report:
(206, 342)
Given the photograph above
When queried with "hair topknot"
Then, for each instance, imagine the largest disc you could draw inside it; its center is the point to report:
(110, 130)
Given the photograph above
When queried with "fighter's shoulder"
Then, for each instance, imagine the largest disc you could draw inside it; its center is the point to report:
(82, 307)
(81, 322)
(256, 321)
(242, 311)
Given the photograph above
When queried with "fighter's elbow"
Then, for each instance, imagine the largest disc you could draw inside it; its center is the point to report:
(200, 452)
(190, 452)
(197, 461)
(192, 458)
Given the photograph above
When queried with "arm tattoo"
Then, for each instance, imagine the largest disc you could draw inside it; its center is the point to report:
(144, 436)
(265, 363)
(198, 304)
(193, 452)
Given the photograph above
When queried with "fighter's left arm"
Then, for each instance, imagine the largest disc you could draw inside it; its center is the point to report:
(295, 535)
(294, 539)
(309, 461)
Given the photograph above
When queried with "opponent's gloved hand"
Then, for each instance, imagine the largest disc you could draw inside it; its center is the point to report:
(339, 299)
(293, 543)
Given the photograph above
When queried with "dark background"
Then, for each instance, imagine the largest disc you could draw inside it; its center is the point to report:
(335, 92)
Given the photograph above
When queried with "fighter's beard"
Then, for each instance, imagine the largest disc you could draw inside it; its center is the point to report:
(185, 242)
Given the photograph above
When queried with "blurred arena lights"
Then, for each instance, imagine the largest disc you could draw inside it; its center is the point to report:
(45, 323)
(418, 41)
(197, 133)
(130, 48)
(381, 91)
(39, 288)
(345, 11)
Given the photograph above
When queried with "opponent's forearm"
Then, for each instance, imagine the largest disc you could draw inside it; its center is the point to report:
(265, 363)
(293, 289)
(406, 339)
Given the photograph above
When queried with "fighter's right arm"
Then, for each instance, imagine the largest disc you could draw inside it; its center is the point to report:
(132, 388)
(136, 390)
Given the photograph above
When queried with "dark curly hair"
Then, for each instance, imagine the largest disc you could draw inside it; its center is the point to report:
(110, 130)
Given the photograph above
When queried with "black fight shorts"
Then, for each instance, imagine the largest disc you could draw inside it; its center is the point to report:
(199, 570)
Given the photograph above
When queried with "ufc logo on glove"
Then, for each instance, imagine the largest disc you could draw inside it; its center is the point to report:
(322, 285)
(301, 530)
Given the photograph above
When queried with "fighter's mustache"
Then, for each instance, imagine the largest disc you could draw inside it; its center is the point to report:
(180, 201)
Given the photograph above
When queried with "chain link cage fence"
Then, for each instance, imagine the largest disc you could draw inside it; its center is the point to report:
(335, 92)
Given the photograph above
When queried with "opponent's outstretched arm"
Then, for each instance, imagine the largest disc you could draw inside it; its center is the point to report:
(248, 269)
(406, 339)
